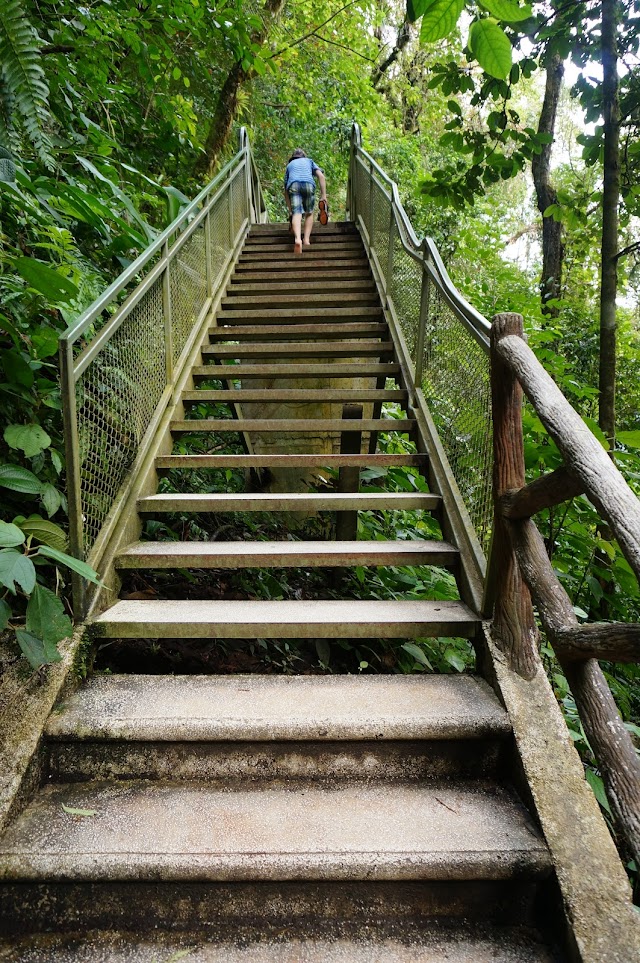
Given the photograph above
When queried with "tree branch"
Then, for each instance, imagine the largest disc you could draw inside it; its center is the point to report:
(311, 33)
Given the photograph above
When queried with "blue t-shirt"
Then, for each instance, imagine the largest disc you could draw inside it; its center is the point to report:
(300, 169)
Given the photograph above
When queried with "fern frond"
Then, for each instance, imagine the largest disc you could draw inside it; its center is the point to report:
(24, 77)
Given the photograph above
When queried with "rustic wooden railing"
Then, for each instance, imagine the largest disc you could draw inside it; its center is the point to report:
(520, 571)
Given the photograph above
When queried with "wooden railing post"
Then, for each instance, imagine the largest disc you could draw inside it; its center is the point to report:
(514, 627)
(349, 478)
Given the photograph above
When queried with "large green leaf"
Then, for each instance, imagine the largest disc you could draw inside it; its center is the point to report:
(10, 535)
(507, 10)
(45, 342)
(51, 499)
(417, 654)
(46, 532)
(37, 651)
(439, 19)
(19, 480)
(630, 439)
(31, 439)
(73, 563)
(46, 280)
(5, 614)
(491, 47)
(16, 568)
(46, 617)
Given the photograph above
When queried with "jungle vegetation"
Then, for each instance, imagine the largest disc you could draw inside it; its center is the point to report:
(512, 129)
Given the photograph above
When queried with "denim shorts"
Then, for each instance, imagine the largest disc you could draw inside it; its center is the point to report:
(302, 196)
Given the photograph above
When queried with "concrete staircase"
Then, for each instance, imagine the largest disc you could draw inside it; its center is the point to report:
(263, 818)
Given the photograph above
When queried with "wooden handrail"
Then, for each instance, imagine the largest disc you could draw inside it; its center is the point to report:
(518, 548)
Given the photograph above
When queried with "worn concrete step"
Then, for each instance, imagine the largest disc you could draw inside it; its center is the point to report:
(280, 369)
(167, 462)
(325, 246)
(292, 349)
(274, 762)
(279, 285)
(249, 915)
(159, 831)
(277, 395)
(301, 313)
(285, 554)
(433, 944)
(281, 229)
(309, 299)
(255, 708)
(201, 619)
(301, 265)
(288, 502)
(269, 728)
(292, 425)
(285, 332)
(248, 274)
(322, 257)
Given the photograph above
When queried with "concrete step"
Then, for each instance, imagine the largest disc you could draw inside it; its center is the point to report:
(311, 299)
(320, 258)
(143, 555)
(168, 831)
(266, 729)
(293, 349)
(277, 395)
(240, 914)
(280, 369)
(168, 462)
(302, 265)
(278, 229)
(284, 246)
(301, 313)
(292, 425)
(278, 285)
(255, 708)
(311, 618)
(284, 332)
(289, 501)
(434, 944)
(250, 273)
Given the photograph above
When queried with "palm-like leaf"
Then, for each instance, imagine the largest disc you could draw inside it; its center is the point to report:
(23, 85)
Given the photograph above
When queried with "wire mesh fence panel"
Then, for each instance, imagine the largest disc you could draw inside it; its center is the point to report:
(188, 288)
(129, 347)
(405, 291)
(218, 237)
(238, 190)
(380, 210)
(362, 193)
(116, 396)
(457, 388)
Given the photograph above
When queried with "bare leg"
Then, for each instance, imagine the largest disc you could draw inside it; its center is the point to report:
(296, 224)
(308, 227)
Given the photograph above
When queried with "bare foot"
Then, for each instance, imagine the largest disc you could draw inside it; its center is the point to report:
(297, 247)
(306, 243)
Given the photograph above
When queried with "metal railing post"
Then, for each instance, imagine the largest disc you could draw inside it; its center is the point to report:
(370, 224)
(74, 477)
(422, 326)
(166, 310)
(208, 254)
(232, 217)
(390, 249)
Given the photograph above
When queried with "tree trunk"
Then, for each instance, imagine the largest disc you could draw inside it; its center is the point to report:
(610, 201)
(227, 103)
(552, 246)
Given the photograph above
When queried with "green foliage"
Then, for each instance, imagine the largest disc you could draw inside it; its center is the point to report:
(23, 88)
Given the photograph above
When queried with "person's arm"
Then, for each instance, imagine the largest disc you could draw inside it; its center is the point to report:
(322, 182)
